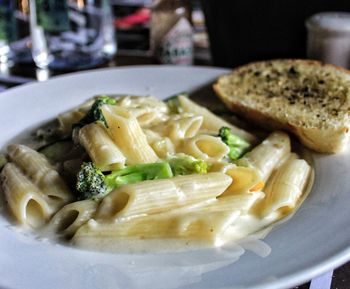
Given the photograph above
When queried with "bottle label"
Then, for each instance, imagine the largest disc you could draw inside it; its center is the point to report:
(52, 15)
(176, 47)
(8, 29)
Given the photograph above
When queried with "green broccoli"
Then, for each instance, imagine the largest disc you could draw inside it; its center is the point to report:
(174, 104)
(237, 145)
(95, 113)
(90, 182)
(183, 164)
(93, 184)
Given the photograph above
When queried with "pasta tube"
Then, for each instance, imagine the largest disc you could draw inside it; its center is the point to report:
(212, 122)
(244, 180)
(72, 216)
(179, 127)
(151, 197)
(67, 119)
(204, 223)
(36, 167)
(102, 150)
(147, 110)
(202, 228)
(162, 146)
(266, 156)
(145, 118)
(286, 186)
(29, 206)
(239, 202)
(205, 147)
(127, 134)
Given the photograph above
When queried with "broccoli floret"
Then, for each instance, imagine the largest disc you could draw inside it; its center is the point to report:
(237, 145)
(174, 104)
(92, 183)
(183, 164)
(95, 112)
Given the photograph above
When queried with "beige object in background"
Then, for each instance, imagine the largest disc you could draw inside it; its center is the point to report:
(307, 98)
(328, 37)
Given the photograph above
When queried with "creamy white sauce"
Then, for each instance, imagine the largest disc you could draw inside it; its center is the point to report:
(246, 233)
(244, 226)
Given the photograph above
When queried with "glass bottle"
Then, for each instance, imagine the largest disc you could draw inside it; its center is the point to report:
(171, 32)
(71, 34)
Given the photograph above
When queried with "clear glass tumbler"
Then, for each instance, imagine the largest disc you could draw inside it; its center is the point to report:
(14, 31)
(71, 34)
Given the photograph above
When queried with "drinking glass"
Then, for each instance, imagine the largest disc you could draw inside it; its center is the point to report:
(71, 34)
(14, 31)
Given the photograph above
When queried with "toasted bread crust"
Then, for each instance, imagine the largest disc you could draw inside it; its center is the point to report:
(326, 139)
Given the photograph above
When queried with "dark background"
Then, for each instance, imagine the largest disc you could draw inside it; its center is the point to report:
(242, 31)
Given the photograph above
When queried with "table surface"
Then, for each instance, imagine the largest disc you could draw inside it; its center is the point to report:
(20, 74)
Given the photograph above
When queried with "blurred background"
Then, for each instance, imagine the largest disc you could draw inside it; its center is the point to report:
(246, 30)
(34, 33)
(231, 33)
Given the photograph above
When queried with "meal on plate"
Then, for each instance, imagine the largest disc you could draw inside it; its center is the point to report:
(130, 173)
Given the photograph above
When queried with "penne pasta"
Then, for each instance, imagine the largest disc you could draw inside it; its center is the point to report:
(71, 217)
(162, 146)
(286, 186)
(147, 110)
(67, 119)
(205, 229)
(205, 147)
(244, 180)
(181, 126)
(205, 223)
(266, 156)
(146, 118)
(127, 134)
(100, 147)
(239, 202)
(29, 206)
(157, 196)
(37, 168)
(211, 122)
(148, 103)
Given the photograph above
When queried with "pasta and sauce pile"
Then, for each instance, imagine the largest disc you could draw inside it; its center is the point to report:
(129, 172)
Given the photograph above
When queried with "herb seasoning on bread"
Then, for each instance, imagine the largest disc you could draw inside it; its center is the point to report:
(305, 97)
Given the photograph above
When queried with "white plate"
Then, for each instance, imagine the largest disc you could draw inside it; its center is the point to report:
(314, 240)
